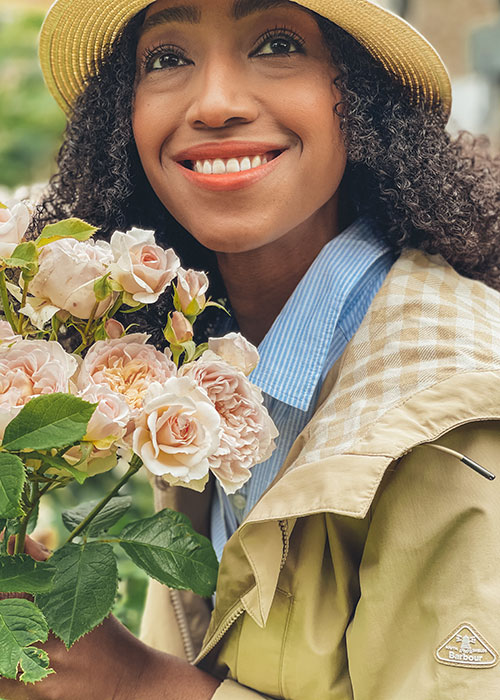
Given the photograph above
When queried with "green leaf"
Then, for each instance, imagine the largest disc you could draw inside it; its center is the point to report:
(22, 624)
(109, 515)
(22, 574)
(78, 476)
(199, 351)
(133, 310)
(102, 288)
(69, 228)
(24, 256)
(100, 332)
(130, 301)
(3, 523)
(190, 350)
(216, 306)
(83, 591)
(168, 548)
(50, 421)
(12, 478)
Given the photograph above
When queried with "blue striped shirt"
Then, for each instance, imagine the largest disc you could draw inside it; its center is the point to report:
(306, 339)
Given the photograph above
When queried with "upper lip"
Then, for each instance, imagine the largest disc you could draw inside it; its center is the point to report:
(227, 149)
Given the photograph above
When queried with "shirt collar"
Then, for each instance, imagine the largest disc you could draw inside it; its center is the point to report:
(294, 351)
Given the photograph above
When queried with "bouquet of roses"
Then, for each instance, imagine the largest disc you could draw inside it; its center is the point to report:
(65, 416)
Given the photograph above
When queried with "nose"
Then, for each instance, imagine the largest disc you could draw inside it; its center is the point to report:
(222, 96)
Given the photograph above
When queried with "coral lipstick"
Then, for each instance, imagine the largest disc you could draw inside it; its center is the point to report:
(228, 166)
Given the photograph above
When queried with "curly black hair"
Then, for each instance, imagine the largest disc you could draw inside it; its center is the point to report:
(421, 187)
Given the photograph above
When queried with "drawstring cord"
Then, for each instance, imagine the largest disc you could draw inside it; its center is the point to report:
(465, 460)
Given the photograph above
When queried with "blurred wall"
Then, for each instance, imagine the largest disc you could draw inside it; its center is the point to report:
(467, 36)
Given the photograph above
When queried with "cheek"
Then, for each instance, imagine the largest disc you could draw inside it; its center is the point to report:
(150, 126)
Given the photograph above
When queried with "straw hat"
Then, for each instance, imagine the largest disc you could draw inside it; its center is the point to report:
(77, 34)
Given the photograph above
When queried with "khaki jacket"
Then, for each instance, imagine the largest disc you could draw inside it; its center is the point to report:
(370, 569)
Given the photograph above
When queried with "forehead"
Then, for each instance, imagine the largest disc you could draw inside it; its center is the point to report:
(192, 12)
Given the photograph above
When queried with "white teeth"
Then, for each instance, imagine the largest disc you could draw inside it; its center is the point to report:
(218, 167)
(232, 165)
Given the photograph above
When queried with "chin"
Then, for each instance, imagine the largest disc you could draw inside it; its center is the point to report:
(242, 240)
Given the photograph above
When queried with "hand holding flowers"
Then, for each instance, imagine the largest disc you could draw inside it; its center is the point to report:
(184, 413)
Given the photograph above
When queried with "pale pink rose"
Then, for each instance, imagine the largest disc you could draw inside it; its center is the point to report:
(178, 432)
(143, 268)
(236, 350)
(114, 328)
(6, 415)
(30, 368)
(191, 290)
(7, 335)
(67, 273)
(247, 431)
(13, 225)
(110, 419)
(127, 365)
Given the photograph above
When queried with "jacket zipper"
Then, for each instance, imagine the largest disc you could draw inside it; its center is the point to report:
(182, 623)
(283, 525)
(222, 631)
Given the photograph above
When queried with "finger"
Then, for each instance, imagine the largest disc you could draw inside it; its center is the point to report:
(35, 549)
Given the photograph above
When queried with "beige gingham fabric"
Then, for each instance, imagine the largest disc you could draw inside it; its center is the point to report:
(426, 324)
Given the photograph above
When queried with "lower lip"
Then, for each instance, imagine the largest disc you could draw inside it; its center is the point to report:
(228, 182)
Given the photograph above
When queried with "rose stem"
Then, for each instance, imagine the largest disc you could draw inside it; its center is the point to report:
(135, 465)
(21, 535)
(23, 304)
(5, 301)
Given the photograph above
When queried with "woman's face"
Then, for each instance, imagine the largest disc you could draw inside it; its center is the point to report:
(234, 120)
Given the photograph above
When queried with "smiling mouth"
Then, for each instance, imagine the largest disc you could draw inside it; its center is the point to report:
(223, 166)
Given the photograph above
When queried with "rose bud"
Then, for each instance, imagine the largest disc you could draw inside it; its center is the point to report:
(190, 293)
(179, 330)
(114, 329)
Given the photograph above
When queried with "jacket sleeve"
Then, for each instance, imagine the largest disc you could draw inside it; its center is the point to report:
(427, 624)
(230, 690)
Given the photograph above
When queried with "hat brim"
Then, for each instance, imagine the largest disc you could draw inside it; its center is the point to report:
(76, 36)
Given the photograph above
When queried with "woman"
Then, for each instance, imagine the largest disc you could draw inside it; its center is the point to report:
(301, 150)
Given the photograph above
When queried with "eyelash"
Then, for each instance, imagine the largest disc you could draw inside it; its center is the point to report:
(150, 55)
(280, 33)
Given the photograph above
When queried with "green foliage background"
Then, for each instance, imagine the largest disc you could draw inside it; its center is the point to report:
(31, 123)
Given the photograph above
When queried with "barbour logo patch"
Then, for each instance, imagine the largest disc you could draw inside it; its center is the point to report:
(465, 647)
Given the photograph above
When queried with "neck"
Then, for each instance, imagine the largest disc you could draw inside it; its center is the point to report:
(260, 282)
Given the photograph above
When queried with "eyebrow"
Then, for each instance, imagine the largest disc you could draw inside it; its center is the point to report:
(192, 15)
(180, 13)
(244, 8)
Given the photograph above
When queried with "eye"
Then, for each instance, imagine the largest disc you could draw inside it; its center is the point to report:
(279, 42)
(164, 57)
